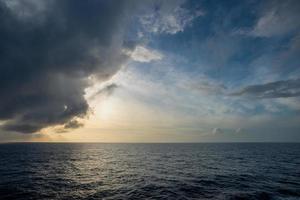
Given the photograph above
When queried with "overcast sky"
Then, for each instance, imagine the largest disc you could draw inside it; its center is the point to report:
(149, 71)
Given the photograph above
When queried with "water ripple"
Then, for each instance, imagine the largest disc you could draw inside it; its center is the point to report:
(150, 171)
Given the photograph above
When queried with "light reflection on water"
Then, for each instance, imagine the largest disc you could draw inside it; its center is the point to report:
(157, 171)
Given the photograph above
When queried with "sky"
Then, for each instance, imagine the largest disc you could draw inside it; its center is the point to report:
(149, 71)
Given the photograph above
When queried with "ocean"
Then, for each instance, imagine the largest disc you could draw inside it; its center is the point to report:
(150, 171)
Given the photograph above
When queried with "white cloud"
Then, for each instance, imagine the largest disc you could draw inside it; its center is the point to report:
(142, 54)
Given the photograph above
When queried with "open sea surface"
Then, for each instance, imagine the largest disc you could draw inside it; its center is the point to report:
(150, 171)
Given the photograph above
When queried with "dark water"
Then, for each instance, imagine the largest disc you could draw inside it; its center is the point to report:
(150, 171)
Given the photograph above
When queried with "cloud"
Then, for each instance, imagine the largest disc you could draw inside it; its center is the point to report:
(210, 88)
(278, 89)
(28, 9)
(216, 131)
(291, 103)
(239, 130)
(278, 18)
(142, 54)
(168, 17)
(73, 124)
(48, 50)
(106, 91)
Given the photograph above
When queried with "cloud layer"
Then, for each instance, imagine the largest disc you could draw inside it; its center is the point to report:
(48, 50)
(278, 89)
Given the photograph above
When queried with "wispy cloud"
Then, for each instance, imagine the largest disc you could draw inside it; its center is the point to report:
(208, 87)
(168, 17)
(73, 124)
(278, 89)
(217, 131)
(278, 18)
(143, 54)
(107, 90)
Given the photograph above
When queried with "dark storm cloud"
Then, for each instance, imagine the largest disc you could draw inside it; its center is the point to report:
(73, 124)
(278, 89)
(48, 50)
